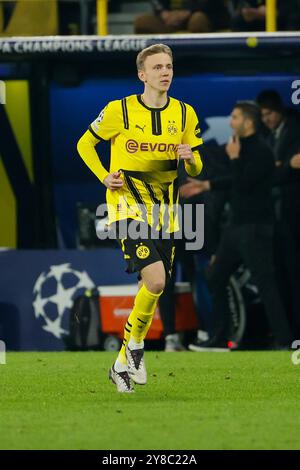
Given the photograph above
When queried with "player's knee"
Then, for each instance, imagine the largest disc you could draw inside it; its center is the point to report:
(143, 24)
(156, 285)
(199, 23)
(154, 277)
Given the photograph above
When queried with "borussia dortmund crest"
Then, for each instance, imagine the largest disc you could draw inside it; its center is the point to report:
(172, 129)
(142, 252)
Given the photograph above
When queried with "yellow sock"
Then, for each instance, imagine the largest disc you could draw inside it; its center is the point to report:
(126, 337)
(139, 320)
(144, 307)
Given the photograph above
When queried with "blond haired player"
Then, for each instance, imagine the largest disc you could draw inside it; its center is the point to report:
(149, 134)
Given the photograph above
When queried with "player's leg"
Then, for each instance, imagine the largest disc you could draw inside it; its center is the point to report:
(139, 254)
(226, 262)
(152, 286)
(153, 282)
(257, 249)
(151, 24)
(199, 23)
(144, 258)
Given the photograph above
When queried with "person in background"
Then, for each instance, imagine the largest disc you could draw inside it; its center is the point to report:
(248, 15)
(193, 16)
(283, 137)
(248, 239)
(288, 15)
(215, 165)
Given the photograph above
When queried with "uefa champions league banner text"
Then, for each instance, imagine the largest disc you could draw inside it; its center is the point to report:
(187, 216)
(2, 92)
(2, 352)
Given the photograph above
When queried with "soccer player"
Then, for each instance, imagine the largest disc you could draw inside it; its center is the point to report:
(149, 134)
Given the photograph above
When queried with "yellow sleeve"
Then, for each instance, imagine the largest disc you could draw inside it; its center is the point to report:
(196, 168)
(192, 130)
(192, 137)
(86, 149)
(107, 125)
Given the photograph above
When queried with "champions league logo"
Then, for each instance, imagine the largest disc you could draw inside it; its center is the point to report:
(54, 292)
(218, 129)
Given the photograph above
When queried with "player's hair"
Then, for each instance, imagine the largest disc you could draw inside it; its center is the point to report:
(270, 99)
(251, 111)
(151, 50)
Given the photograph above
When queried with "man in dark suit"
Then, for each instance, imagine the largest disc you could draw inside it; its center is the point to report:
(284, 138)
(248, 239)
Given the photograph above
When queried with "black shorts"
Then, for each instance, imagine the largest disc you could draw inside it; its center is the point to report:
(139, 253)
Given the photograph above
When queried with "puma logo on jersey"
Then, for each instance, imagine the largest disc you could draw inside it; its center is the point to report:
(139, 127)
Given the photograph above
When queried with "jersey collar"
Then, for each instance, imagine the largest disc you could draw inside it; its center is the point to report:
(139, 98)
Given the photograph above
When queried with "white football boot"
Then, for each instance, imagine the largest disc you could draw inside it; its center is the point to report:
(121, 380)
(136, 365)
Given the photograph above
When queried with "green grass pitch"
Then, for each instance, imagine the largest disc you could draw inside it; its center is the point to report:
(237, 400)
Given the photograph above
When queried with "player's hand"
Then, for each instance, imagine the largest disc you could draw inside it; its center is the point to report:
(193, 187)
(166, 15)
(177, 17)
(233, 148)
(113, 181)
(250, 14)
(212, 260)
(185, 153)
(295, 162)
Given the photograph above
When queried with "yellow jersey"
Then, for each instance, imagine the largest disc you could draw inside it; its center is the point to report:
(144, 144)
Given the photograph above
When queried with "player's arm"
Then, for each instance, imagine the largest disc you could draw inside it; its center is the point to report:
(191, 142)
(86, 149)
(106, 127)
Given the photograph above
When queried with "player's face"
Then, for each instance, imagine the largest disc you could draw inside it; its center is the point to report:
(271, 119)
(158, 72)
(238, 122)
